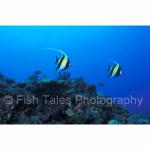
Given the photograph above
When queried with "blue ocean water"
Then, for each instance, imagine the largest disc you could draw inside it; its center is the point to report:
(23, 49)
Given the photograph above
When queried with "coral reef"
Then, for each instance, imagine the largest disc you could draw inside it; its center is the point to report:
(64, 76)
(39, 100)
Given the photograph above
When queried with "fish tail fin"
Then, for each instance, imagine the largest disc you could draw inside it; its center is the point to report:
(109, 68)
(109, 75)
(56, 60)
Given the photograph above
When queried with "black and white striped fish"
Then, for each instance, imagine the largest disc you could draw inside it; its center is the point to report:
(115, 71)
(63, 63)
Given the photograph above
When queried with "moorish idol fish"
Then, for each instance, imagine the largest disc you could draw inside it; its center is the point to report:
(114, 71)
(63, 63)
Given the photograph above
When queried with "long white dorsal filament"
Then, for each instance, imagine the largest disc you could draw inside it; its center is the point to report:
(57, 50)
(110, 60)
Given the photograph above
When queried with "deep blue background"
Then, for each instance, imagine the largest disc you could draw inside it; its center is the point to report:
(22, 51)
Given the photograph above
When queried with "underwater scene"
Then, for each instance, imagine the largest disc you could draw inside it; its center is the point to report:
(74, 75)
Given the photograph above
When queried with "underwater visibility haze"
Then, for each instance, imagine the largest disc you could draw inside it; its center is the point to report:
(90, 53)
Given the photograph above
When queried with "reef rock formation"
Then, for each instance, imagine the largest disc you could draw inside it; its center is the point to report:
(39, 100)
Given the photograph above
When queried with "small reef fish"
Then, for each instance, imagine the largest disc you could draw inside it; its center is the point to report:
(63, 63)
(101, 84)
(114, 71)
